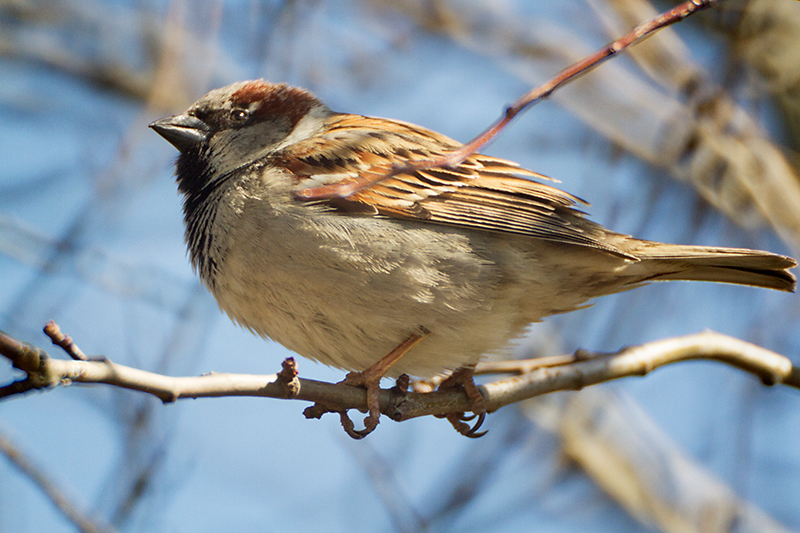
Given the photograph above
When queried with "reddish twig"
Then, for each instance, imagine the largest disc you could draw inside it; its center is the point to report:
(350, 186)
(52, 330)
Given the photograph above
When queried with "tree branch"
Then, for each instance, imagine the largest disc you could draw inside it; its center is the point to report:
(533, 377)
(81, 521)
(586, 369)
(642, 31)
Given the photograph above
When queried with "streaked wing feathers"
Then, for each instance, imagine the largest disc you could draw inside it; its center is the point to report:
(483, 192)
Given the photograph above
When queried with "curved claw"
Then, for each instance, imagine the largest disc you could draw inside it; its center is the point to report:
(370, 379)
(464, 417)
(456, 419)
(473, 432)
(462, 377)
(369, 426)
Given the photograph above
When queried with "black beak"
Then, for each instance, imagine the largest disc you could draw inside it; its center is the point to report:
(182, 131)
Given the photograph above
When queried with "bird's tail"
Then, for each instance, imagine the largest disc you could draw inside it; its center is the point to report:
(724, 265)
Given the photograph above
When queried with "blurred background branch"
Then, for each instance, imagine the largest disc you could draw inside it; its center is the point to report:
(666, 111)
(81, 522)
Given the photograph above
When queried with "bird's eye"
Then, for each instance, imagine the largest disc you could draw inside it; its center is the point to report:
(239, 115)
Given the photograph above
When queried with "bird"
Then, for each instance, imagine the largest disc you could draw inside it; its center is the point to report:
(421, 272)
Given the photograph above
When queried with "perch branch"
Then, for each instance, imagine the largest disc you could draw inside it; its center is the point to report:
(533, 377)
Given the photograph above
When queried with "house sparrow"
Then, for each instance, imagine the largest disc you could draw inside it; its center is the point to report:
(434, 267)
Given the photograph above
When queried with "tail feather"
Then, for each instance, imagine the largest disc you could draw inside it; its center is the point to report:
(724, 265)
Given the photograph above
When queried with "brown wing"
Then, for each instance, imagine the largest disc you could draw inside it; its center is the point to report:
(483, 192)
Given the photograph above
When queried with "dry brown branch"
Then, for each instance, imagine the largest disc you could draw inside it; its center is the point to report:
(731, 163)
(577, 372)
(764, 34)
(173, 62)
(53, 492)
(642, 468)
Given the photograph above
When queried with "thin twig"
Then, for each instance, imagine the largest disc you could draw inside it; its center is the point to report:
(52, 330)
(350, 186)
(523, 366)
(769, 366)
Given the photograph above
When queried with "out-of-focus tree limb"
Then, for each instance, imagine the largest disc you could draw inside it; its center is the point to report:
(82, 522)
(644, 30)
(137, 53)
(763, 34)
(683, 123)
(638, 465)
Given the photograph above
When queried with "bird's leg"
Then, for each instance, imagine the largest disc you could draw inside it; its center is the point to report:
(370, 379)
(462, 377)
